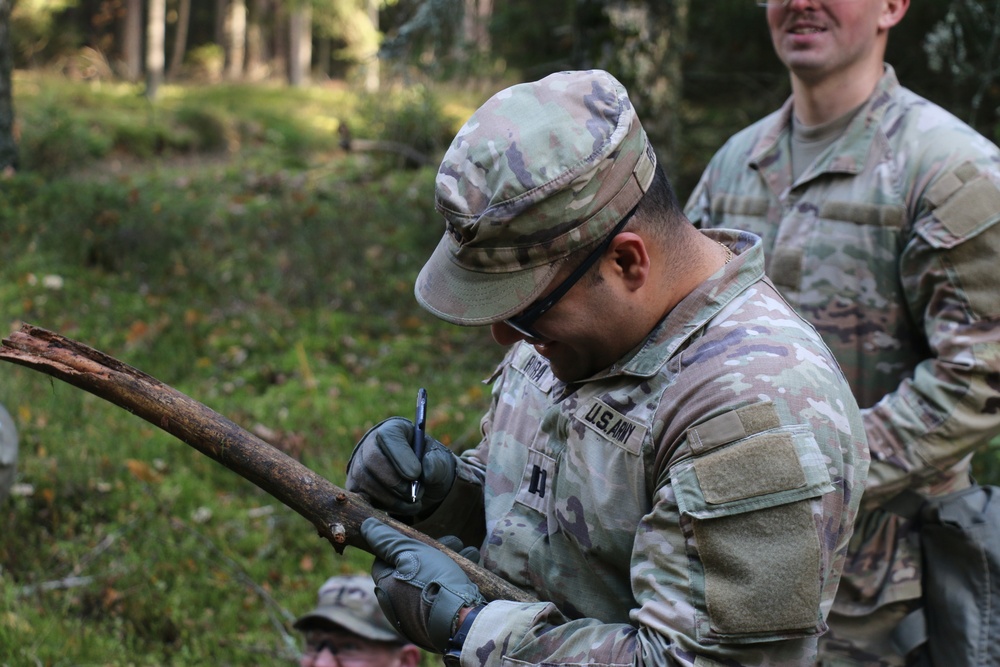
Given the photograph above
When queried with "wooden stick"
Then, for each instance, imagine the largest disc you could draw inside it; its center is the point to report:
(336, 512)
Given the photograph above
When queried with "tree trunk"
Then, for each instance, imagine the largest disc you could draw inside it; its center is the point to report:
(299, 45)
(236, 39)
(257, 54)
(324, 55)
(8, 144)
(180, 39)
(650, 37)
(132, 41)
(221, 14)
(476, 26)
(279, 35)
(371, 74)
(337, 514)
(155, 37)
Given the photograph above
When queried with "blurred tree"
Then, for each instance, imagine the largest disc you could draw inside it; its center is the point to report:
(8, 146)
(532, 39)
(424, 34)
(299, 43)
(475, 43)
(369, 54)
(648, 40)
(132, 40)
(235, 38)
(353, 26)
(180, 39)
(258, 53)
(279, 37)
(33, 30)
(219, 25)
(156, 25)
(965, 46)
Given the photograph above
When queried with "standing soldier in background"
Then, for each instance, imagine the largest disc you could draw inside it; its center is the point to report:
(879, 215)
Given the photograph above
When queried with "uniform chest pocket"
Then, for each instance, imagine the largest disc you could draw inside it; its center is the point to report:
(755, 547)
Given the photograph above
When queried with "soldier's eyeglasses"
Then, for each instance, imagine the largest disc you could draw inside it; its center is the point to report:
(346, 652)
(524, 322)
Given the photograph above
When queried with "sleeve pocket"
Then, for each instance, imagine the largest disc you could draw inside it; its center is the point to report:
(755, 550)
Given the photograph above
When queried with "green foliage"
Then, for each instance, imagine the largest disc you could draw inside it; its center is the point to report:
(31, 29)
(210, 129)
(424, 33)
(413, 116)
(348, 22)
(278, 295)
(964, 47)
(205, 62)
(65, 141)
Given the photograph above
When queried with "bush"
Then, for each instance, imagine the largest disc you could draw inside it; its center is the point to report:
(209, 129)
(55, 140)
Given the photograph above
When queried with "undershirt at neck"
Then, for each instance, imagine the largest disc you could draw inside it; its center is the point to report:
(808, 141)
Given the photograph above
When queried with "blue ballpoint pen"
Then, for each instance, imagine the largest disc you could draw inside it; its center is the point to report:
(419, 429)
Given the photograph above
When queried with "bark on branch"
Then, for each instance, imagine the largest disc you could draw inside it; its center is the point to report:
(336, 512)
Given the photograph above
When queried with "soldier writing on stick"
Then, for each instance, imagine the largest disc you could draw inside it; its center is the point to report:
(671, 461)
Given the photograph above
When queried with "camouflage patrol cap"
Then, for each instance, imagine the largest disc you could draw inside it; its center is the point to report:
(349, 601)
(540, 170)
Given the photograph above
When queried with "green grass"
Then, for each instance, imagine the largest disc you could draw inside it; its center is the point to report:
(268, 276)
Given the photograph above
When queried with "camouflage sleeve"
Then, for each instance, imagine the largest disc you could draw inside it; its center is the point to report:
(951, 404)
(691, 577)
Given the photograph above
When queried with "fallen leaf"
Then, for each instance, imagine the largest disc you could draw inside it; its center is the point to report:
(143, 471)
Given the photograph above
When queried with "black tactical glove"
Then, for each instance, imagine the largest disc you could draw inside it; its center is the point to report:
(420, 589)
(383, 468)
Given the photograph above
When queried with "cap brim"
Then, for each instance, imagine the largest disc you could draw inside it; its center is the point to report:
(476, 298)
(348, 621)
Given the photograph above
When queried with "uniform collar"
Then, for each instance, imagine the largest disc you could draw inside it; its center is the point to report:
(695, 310)
(847, 155)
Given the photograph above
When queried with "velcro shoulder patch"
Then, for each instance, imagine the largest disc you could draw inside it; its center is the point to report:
(765, 464)
(733, 425)
(965, 200)
(943, 188)
(974, 261)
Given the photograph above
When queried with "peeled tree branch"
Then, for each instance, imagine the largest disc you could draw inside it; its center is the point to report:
(336, 513)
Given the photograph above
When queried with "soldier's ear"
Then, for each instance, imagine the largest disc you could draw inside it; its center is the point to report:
(409, 656)
(628, 260)
(893, 12)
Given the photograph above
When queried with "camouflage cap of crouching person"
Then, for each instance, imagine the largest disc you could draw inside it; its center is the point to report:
(349, 602)
(540, 170)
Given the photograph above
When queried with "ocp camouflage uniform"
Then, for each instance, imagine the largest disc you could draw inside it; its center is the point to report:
(690, 505)
(888, 244)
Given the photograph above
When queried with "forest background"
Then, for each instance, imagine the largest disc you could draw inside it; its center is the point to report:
(235, 196)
